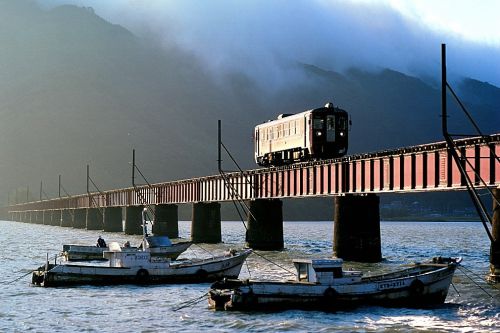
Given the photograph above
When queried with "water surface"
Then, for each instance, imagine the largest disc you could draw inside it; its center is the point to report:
(153, 308)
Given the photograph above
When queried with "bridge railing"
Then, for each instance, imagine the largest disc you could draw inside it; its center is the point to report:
(412, 169)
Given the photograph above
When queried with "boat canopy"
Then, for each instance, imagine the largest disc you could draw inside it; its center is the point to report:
(158, 241)
(318, 270)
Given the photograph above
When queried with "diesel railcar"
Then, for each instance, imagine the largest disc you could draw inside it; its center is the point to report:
(310, 135)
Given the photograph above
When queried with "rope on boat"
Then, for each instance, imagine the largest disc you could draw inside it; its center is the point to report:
(456, 290)
(201, 247)
(16, 279)
(190, 302)
(272, 262)
(462, 268)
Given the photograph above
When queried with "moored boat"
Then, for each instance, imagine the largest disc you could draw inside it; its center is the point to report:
(323, 284)
(147, 264)
(158, 245)
(140, 267)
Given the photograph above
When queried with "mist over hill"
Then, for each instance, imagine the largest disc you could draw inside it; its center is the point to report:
(76, 89)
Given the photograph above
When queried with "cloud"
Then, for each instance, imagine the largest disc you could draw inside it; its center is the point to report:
(264, 39)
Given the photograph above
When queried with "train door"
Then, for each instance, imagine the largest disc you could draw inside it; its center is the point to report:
(330, 128)
(257, 140)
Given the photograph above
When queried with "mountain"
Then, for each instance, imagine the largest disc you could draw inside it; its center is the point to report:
(77, 90)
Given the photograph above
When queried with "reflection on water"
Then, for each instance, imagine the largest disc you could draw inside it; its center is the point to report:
(151, 309)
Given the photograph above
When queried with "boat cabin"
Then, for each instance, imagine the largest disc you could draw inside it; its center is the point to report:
(324, 271)
(158, 241)
(124, 257)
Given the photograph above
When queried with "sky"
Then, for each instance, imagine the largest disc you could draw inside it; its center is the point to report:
(475, 21)
(265, 38)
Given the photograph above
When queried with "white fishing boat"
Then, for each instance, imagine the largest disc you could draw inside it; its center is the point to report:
(323, 284)
(157, 245)
(144, 265)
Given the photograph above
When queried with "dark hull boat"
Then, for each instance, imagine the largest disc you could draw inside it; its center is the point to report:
(322, 284)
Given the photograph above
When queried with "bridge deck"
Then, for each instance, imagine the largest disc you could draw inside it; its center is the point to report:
(428, 167)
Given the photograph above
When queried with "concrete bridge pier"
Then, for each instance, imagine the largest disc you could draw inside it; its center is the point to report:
(67, 217)
(133, 220)
(55, 218)
(27, 217)
(265, 225)
(37, 217)
(494, 276)
(206, 223)
(166, 221)
(357, 228)
(47, 217)
(113, 219)
(94, 219)
(80, 218)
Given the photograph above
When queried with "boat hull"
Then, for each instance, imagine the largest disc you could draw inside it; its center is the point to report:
(422, 290)
(208, 270)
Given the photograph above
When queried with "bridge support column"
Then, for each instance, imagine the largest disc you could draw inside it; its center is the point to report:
(133, 220)
(494, 276)
(357, 228)
(47, 217)
(55, 218)
(94, 219)
(39, 217)
(206, 223)
(67, 217)
(166, 221)
(35, 217)
(80, 218)
(113, 219)
(265, 225)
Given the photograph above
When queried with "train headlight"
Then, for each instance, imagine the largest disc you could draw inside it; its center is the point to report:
(318, 133)
(341, 133)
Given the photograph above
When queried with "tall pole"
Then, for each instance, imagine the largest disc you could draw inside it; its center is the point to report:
(41, 190)
(219, 144)
(88, 179)
(133, 167)
(444, 84)
(59, 186)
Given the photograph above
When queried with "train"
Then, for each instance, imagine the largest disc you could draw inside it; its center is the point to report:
(315, 134)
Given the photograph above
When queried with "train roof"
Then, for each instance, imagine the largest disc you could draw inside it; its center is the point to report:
(283, 118)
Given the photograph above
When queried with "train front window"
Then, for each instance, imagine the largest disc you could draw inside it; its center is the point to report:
(342, 123)
(330, 128)
(318, 123)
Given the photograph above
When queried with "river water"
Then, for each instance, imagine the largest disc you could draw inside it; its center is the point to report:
(133, 308)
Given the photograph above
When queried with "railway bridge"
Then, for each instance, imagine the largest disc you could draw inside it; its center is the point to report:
(355, 182)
